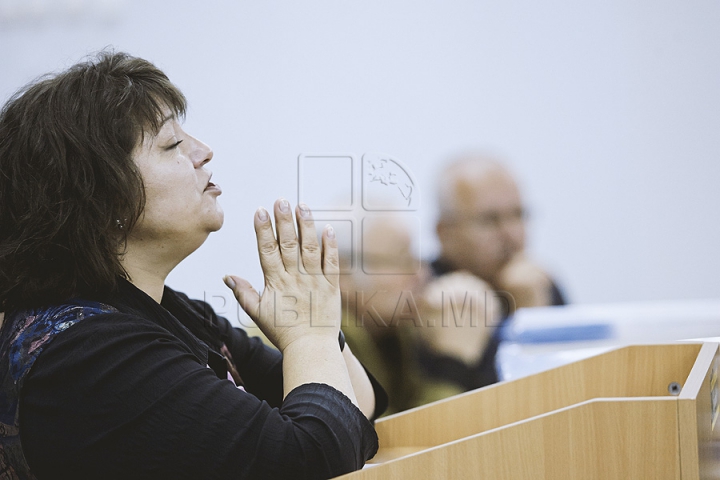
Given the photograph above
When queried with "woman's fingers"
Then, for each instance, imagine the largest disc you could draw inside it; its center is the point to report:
(270, 258)
(246, 295)
(330, 257)
(293, 302)
(289, 250)
(286, 236)
(309, 246)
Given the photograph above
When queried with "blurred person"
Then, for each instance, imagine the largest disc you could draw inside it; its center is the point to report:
(481, 275)
(106, 372)
(381, 316)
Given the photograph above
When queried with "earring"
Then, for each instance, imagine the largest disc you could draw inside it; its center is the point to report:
(119, 224)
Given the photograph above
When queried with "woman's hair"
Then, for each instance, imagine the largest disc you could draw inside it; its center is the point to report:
(69, 189)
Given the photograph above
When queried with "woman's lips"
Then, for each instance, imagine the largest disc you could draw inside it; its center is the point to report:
(211, 187)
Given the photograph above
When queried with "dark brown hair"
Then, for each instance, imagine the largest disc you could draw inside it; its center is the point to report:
(69, 189)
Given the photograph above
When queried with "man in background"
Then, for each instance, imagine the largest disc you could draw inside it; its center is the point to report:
(481, 275)
(379, 288)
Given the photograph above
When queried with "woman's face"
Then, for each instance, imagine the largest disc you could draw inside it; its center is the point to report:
(181, 207)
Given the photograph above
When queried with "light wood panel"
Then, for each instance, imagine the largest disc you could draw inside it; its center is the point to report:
(609, 416)
(627, 372)
(598, 439)
(698, 415)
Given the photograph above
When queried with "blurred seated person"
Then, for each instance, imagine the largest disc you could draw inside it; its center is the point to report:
(380, 285)
(481, 275)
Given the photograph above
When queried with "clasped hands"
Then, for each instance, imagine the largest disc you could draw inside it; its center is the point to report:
(301, 295)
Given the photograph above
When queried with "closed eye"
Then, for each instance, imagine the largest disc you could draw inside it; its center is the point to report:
(174, 145)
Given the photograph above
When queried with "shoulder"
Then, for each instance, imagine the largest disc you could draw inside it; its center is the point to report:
(26, 333)
(110, 335)
(73, 336)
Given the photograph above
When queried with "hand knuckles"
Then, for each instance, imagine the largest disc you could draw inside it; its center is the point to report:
(288, 245)
(268, 248)
(311, 249)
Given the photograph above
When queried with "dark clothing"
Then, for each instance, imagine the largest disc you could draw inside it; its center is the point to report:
(484, 372)
(129, 394)
(22, 339)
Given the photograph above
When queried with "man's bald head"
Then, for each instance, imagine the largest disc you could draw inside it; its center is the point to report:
(481, 225)
(461, 179)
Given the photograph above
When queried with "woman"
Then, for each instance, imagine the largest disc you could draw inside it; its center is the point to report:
(107, 373)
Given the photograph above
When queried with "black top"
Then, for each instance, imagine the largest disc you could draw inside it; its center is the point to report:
(130, 395)
(484, 372)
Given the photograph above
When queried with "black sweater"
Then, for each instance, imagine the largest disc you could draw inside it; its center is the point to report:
(130, 395)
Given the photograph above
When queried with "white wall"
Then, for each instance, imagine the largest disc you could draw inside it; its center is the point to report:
(609, 112)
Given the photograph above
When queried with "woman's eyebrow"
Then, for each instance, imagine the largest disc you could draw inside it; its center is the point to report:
(166, 118)
(163, 122)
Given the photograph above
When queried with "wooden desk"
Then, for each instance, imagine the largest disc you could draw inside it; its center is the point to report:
(612, 416)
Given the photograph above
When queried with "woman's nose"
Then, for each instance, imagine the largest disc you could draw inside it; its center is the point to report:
(202, 153)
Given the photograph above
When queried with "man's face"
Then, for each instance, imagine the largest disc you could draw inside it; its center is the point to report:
(486, 226)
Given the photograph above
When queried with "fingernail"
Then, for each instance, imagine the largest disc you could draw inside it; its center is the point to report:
(330, 231)
(304, 210)
(284, 206)
(229, 281)
(262, 214)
